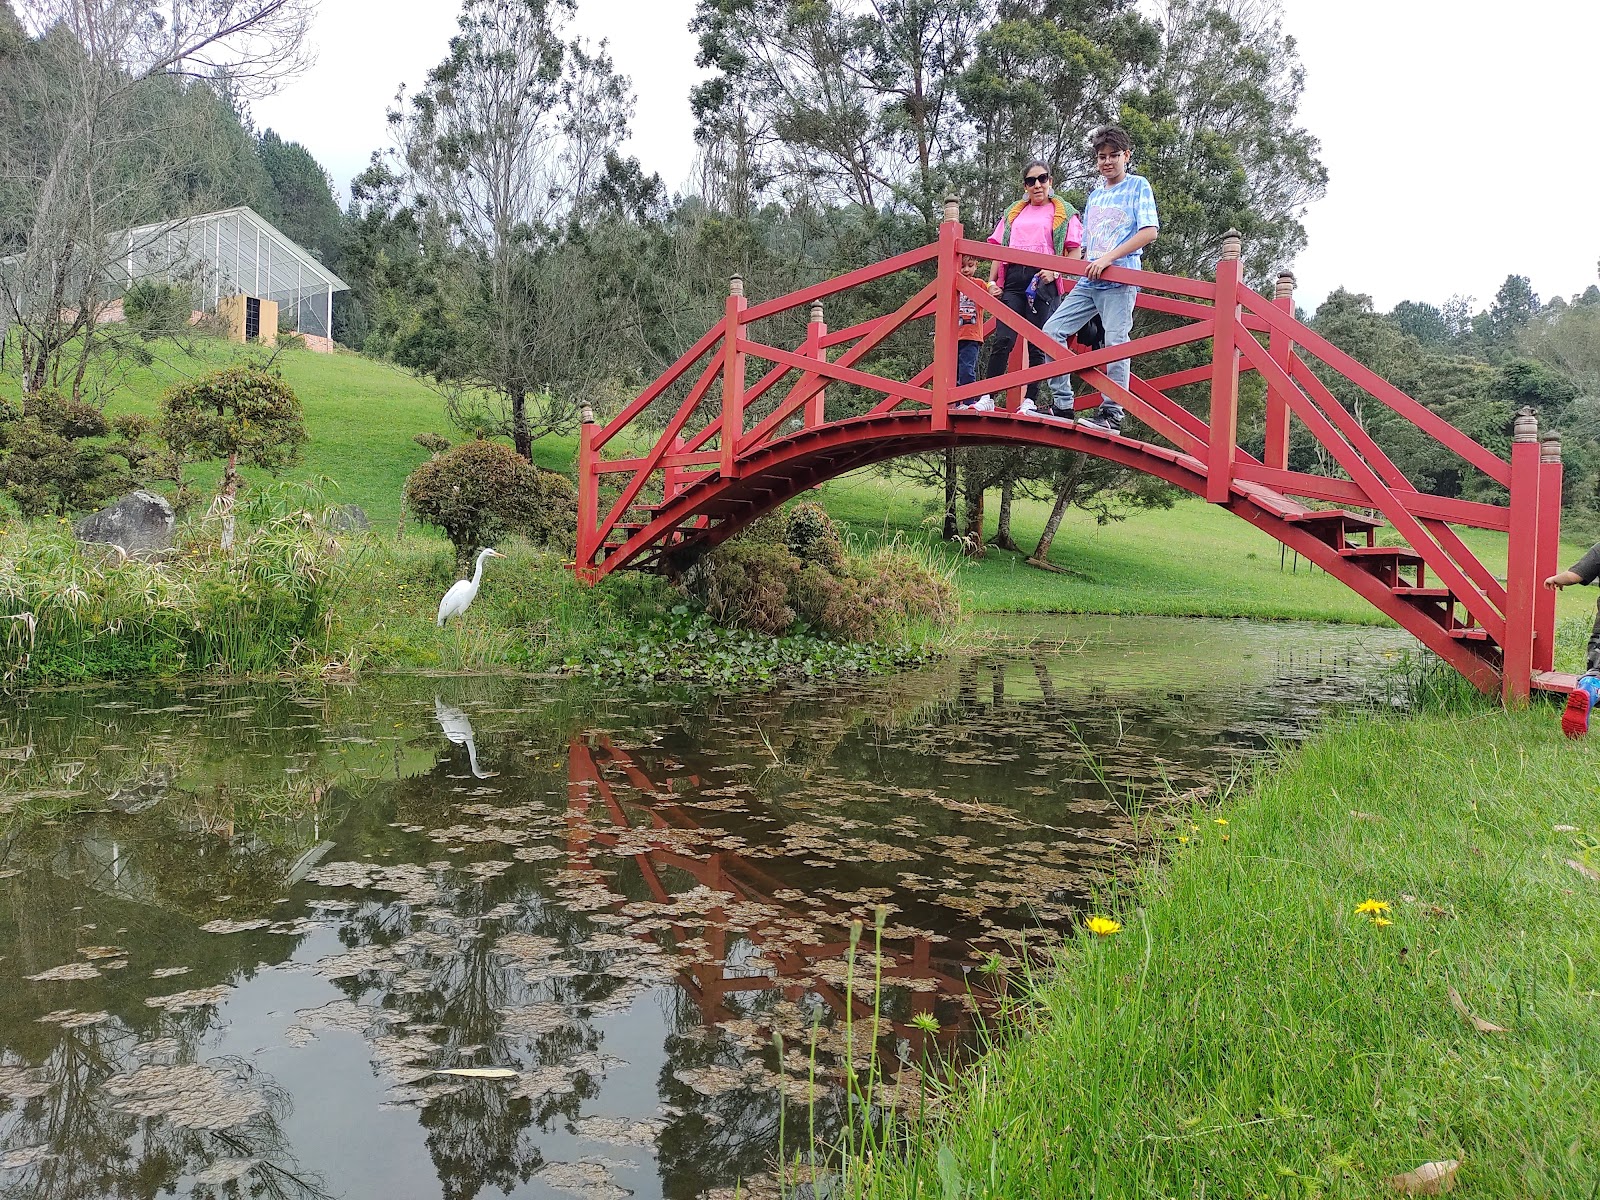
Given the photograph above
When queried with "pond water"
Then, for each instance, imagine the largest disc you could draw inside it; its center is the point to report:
(245, 928)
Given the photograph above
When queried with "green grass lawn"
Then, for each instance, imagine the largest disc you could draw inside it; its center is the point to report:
(1191, 560)
(1249, 1033)
(361, 414)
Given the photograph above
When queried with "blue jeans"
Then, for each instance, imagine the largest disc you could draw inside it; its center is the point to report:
(1115, 306)
(967, 362)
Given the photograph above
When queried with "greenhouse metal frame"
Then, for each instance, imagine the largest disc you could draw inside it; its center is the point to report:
(235, 251)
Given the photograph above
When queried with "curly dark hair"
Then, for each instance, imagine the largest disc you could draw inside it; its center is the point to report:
(1111, 135)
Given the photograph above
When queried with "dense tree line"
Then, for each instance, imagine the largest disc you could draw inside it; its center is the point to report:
(505, 249)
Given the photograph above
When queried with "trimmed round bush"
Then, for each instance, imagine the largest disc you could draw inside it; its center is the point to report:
(480, 491)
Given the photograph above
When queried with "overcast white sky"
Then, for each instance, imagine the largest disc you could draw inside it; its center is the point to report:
(1460, 138)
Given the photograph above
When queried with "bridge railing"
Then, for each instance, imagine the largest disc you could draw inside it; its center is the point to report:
(725, 415)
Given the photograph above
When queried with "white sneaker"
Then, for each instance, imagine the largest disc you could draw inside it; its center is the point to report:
(984, 404)
(1028, 406)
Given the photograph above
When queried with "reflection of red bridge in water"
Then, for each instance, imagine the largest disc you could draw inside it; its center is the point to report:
(598, 817)
(729, 453)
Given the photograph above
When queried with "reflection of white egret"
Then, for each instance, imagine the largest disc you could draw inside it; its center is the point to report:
(459, 730)
(463, 591)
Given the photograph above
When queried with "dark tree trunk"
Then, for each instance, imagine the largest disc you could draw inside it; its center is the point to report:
(1041, 552)
(520, 434)
(1002, 533)
(974, 532)
(952, 527)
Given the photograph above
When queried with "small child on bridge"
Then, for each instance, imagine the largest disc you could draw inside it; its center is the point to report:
(1581, 701)
(969, 332)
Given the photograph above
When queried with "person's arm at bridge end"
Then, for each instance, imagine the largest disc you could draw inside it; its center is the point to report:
(1137, 242)
(1585, 570)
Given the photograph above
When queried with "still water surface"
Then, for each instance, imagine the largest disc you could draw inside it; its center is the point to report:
(243, 929)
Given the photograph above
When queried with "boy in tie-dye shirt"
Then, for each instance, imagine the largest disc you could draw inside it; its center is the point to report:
(1119, 222)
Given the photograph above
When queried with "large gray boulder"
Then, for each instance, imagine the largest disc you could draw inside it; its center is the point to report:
(141, 523)
(350, 518)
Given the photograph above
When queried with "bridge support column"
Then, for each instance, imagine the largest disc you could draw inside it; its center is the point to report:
(1522, 584)
(947, 298)
(588, 497)
(1225, 373)
(1548, 557)
(1280, 348)
(732, 379)
(816, 407)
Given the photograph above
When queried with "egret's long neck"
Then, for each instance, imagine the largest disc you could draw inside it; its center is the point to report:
(477, 572)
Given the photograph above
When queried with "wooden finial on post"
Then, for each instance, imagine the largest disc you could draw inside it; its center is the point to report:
(1550, 448)
(952, 210)
(1526, 428)
(586, 414)
(1232, 244)
(816, 312)
(1285, 288)
(736, 286)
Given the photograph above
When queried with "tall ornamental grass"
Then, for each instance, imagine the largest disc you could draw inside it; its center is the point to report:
(75, 612)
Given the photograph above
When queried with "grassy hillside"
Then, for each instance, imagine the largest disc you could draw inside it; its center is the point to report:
(1190, 560)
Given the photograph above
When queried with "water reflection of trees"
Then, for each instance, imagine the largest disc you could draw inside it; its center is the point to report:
(67, 1138)
(661, 860)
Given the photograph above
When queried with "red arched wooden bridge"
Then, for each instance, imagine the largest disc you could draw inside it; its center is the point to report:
(711, 445)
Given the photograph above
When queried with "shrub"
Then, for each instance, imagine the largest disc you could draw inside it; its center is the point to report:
(479, 491)
(791, 567)
(54, 459)
(812, 537)
(747, 584)
(157, 309)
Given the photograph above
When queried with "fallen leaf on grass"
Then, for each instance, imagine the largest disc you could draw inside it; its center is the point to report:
(1430, 1179)
(479, 1072)
(1478, 1023)
(1588, 873)
(1566, 829)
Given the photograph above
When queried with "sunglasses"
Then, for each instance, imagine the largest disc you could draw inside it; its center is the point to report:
(1031, 180)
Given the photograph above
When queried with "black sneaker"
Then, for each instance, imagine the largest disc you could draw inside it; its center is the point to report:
(1104, 422)
(1060, 414)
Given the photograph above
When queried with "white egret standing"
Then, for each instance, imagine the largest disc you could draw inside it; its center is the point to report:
(463, 591)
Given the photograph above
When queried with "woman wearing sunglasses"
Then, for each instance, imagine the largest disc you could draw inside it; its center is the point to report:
(1042, 222)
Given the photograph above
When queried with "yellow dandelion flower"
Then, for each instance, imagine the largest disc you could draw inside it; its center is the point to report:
(1381, 921)
(1103, 926)
(1183, 841)
(1224, 837)
(1372, 907)
(1222, 820)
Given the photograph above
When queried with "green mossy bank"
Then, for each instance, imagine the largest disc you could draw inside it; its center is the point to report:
(1250, 1033)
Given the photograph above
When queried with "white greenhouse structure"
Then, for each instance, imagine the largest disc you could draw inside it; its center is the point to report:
(232, 255)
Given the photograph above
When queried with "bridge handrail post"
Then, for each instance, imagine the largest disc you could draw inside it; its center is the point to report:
(588, 494)
(1548, 557)
(816, 407)
(732, 379)
(1280, 347)
(1522, 587)
(1225, 373)
(946, 298)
